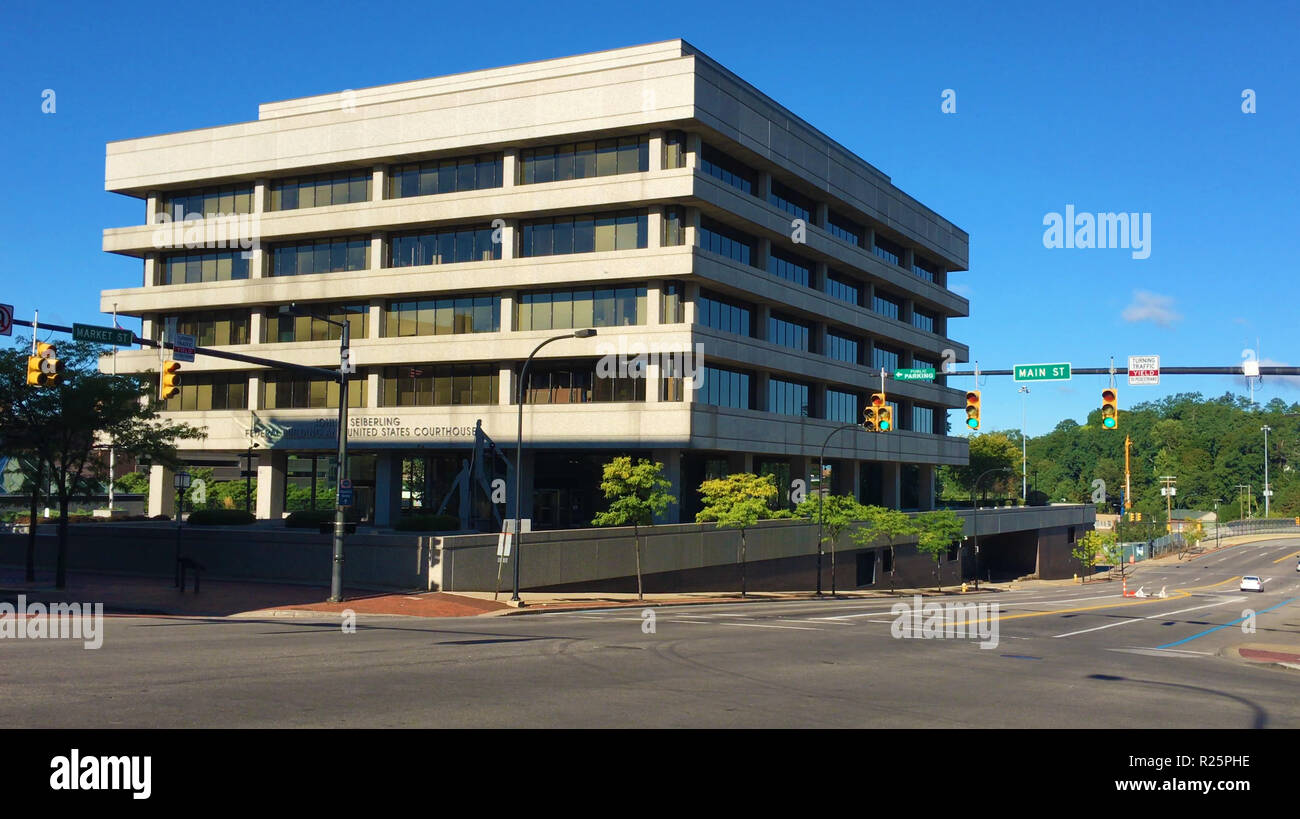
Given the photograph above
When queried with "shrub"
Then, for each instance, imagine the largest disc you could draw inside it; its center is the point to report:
(161, 517)
(308, 518)
(428, 523)
(220, 517)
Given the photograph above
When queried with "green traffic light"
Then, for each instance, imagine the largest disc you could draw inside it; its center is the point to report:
(972, 423)
(884, 425)
(1108, 423)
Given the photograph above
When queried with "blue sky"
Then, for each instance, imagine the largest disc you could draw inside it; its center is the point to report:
(1106, 106)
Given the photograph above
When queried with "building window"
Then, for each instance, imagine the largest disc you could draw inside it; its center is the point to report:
(578, 383)
(792, 202)
(886, 305)
(718, 238)
(845, 229)
(210, 328)
(672, 372)
(888, 251)
(291, 391)
(843, 348)
(883, 358)
(443, 316)
(675, 149)
(210, 391)
(842, 407)
(321, 190)
(321, 256)
(725, 388)
(789, 267)
(737, 174)
(455, 175)
(444, 246)
(843, 288)
(625, 230)
(672, 308)
(787, 397)
(439, 385)
(924, 269)
(922, 419)
(576, 309)
(674, 226)
(191, 268)
(722, 314)
(922, 320)
(582, 160)
(788, 332)
(286, 327)
(217, 201)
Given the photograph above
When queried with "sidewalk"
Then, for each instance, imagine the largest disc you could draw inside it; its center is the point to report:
(136, 595)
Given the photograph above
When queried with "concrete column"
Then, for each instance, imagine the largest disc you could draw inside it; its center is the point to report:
(801, 467)
(762, 312)
(378, 181)
(506, 386)
(271, 469)
(761, 380)
(693, 150)
(147, 328)
(388, 489)
(908, 256)
(763, 254)
(510, 167)
(526, 485)
(818, 398)
(653, 387)
(152, 270)
(151, 204)
(672, 461)
(655, 225)
(656, 151)
(377, 319)
(764, 185)
(254, 391)
(905, 312)
(868, 294)
(869, 239)
(261, 195)
(372, 387)
(891, 484)
(508, 299)
(654, 302)
(691, 227)
(848, 474)
(376, 250)
(162, 495)
(818, 339)
(508, 241)
(818, 281)
(926, 488)
(821, 214)
(258, 266)
(692, 296)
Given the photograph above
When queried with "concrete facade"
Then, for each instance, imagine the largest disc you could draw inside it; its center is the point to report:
(659, 93)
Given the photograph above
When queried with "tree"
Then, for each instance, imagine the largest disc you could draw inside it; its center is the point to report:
(936, 532)
(835, 514)
(993, 450)
(66, 425)
(1114, 554)
(637, 493)
(737, 501)
(133, 483)
(1089, 547)
(891, 524)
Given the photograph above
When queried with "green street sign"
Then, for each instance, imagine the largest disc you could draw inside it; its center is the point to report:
(103, 335)
(1042, 372)
(915, 374)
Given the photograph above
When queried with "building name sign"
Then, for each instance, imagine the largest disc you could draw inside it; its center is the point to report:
(362, 428)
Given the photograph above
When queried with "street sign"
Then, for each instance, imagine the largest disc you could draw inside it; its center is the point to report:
(6, 319)
(103, 335)
(503, 544)
(915, 374)
(1143, 370)
(182, 347)
(346, 483)
(1042, 372)
(346, 496)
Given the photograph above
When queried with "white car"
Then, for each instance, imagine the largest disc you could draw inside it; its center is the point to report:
(1252, 583)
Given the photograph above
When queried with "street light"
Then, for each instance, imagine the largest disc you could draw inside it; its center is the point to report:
(1267, 492)
(519, 447)
(821, 474)
(1024, 461)
(248, 477)
(974, 517)
(336, 576)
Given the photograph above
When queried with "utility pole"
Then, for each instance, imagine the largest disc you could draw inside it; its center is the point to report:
(1024, 461)
(1267, 492)
(1128, 487)
(1169, 490)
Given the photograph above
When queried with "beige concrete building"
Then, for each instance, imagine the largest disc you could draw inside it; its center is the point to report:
(457, 222)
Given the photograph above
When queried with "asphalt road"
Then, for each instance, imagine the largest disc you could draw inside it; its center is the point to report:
(1076, 656)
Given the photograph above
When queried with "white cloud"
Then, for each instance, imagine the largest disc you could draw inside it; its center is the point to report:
(1153, 307)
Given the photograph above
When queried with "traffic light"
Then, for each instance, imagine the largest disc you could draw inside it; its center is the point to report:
(44, 369)
(1109, 408)
(871, 415)
(973, 409)
(884, 413)
(171, 380)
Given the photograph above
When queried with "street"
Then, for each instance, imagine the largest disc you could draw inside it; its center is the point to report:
(1077, 656)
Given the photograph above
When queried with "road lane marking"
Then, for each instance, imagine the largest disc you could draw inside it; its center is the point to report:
(1286, 557)
(1153, 617)
(1238, 621)
(764, 625)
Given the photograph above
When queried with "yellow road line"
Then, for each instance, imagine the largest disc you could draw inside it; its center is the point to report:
(1286, 557)
(1178, 594)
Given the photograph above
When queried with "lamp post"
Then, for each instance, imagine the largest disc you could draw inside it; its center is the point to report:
(974, 517)
(821, 474)
(248, 478)
(336, 576)
(1024, 460)
(519, 448)
(1267, 492)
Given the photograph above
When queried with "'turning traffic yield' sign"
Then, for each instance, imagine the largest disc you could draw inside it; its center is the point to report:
(1143, 370)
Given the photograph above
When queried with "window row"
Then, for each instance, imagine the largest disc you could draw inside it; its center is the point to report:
(443, 246)
(224, 199)
(321, 256)
(320, 190)
(452, 175)
(190, 268)
(578, 383)
(444, 316)
(576, 309)
(284, 327)
(716, 237)
(439, 385)
(788, 332)
(624, 230)
(210, 328)
(722, 314)
(292, 391)
(210, 391)
(583, 160)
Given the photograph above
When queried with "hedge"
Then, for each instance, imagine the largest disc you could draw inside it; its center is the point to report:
(427, 523)
(220, 517)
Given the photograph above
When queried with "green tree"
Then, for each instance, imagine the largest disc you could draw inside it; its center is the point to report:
(1114, 554)
(737, 501)
(835, 513)
(890, 524)
(993, 450)
(936, 532)
(637, 493)
(133, 483)
(1089, 548)
(66, 425)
